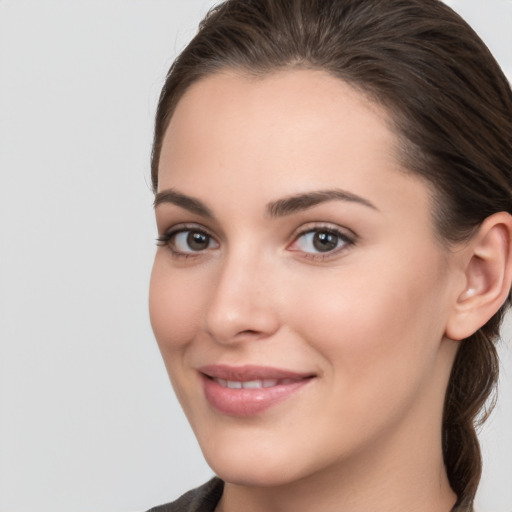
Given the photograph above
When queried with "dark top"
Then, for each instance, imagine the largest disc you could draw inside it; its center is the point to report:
(205, 499)
(202, 499)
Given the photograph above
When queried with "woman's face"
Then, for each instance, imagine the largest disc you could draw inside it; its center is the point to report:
(299, 296)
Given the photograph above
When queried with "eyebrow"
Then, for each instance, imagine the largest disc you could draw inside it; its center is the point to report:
(279, 208)
(188, 203)
(299, 202)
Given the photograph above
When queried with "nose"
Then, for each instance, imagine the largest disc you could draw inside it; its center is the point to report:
(243, 304)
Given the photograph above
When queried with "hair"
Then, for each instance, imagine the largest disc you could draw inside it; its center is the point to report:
(450, 106)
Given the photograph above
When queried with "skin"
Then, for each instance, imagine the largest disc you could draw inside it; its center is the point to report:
(368, 319)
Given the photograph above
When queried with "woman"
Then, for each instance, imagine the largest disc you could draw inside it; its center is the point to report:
(333, 196)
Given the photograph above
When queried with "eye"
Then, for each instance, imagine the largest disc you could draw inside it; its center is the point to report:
(183, 241)
(321, 241)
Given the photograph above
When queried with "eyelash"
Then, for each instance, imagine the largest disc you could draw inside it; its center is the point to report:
(347, 241)
(166, 240)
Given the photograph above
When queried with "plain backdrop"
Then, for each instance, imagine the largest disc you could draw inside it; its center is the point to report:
(88, 421)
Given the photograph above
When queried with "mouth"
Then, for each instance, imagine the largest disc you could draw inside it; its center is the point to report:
(249, 390)
(252, 384)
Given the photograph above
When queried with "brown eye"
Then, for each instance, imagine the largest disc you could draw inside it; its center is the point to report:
(197, 241)
(321, 241)
(187, 241)
(324, 241)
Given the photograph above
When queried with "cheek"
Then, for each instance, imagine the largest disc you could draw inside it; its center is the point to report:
(372, 324)
(379, 343)
(174, 305)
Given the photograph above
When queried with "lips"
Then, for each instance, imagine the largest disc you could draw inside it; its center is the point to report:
(249, 390)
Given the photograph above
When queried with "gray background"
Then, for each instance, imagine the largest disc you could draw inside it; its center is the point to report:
(88, 420)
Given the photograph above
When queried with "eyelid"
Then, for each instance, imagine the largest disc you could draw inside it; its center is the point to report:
(327, 226)
(347, 235)
(163, 240)
(183, 226)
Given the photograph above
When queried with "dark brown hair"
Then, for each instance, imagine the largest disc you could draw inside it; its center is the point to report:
(451, 107)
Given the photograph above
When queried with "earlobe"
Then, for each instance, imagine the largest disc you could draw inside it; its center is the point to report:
(488, 275)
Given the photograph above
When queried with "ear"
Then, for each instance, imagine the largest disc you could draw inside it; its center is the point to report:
(487, 266)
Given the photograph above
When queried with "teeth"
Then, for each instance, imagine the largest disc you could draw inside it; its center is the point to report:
(251, 384)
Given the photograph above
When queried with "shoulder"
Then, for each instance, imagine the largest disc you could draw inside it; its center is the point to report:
(201, 499)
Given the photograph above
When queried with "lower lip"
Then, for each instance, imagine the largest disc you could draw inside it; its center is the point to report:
(248, 402)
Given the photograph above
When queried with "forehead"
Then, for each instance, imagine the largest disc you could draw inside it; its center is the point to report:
(282, 134)
(285, 108)
(292, 95)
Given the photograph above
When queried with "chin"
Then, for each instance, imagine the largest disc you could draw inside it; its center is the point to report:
(254, 477)
(253, 470)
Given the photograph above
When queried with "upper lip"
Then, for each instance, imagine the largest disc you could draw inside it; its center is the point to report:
(250, 372)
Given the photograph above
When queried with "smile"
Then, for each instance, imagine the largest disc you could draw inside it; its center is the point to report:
(249, 390)
(252, 384)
